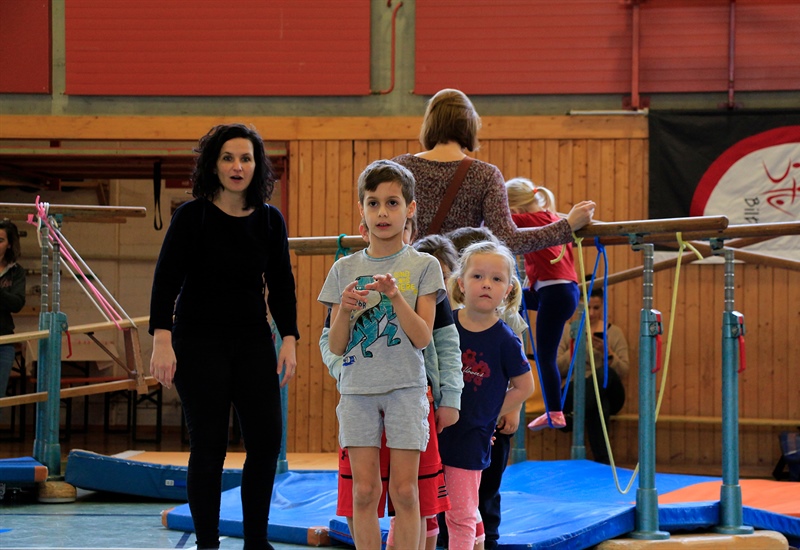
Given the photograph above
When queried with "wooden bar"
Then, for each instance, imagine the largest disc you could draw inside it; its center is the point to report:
(190, 128)
(644, 227)
(75, 212)
(77, 329)
(705, 251)
(77, 391)
(750, 231)
(770, 422)
(310, 246)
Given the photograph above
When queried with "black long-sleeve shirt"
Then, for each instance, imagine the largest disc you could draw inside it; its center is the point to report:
(12, 296)
(217, 266)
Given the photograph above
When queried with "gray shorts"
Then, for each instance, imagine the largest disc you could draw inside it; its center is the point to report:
(402, 413)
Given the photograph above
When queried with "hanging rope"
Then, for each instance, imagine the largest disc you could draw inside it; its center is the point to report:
(683, 245)
(582, 272)
(673, 304)
(340, 249)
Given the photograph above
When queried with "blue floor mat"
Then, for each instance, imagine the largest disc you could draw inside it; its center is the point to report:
(559, 505)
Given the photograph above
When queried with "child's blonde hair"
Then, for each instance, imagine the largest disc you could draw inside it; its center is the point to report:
(514, 297)
(522, 192)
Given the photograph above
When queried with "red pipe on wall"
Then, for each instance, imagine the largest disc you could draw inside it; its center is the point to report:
(394, 22)
(731, 52)
(635, 59)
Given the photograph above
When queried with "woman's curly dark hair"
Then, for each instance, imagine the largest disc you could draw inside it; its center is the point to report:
(12, 234)
(205, 182)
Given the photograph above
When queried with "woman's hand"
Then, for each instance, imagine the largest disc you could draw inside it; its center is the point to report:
(581, 214)
(163, 362)
(287, 359)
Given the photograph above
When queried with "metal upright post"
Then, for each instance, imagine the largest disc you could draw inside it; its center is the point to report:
(730, 503)
(650, 327)
(578, 450)
(46, 447)
(283, 464)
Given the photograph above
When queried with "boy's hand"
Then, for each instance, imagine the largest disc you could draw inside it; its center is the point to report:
(385, 284)
(445, 416)
(352, 299)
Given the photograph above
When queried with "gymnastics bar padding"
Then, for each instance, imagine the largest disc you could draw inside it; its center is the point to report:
(96, 472)
(303, 503)
(22, 470)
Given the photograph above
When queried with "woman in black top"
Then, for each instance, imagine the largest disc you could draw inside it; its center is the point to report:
(12, 294)
(208, 316)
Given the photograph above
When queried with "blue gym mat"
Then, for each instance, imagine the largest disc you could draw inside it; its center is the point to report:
(96, 472)
(23, 470)
(556, 505)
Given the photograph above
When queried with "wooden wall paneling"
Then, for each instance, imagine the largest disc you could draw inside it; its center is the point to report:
(791, 293)
(523, 159)
(663, 293)
(780, 382)
(292, 222)
(748, 304)
(510, 159)
(674, 400)
(550, 165)
(387, 149)
(317, 371)
(333, 186)
(687, 385)
(708, 366)
(374, 152)
(348, 211)
(538, 162)
(304, 298)
(578, 180)
(766, 352)
(716, 367)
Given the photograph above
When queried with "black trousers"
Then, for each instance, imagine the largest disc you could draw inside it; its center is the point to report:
(612, 398)
(213, 373)
(489, 491)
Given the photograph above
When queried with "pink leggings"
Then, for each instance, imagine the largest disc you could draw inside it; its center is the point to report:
(462, 486)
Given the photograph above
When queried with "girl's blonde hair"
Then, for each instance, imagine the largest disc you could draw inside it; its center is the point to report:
(514, 297)
(522, 192)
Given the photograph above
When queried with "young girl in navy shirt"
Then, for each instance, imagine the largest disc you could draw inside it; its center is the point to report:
(497, 377)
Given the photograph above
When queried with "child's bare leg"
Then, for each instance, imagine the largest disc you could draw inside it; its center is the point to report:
(364, 462)
(404, 490)
(422, 540)
(350, 528)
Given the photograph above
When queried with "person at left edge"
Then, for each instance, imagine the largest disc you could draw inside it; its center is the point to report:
(222, 252)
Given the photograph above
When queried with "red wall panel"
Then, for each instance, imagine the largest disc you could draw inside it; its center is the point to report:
(585, 46)
(522, 46)
(25, 46)
(212, 48)
(684, 45)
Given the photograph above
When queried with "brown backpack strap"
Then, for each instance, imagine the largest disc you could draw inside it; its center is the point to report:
(449, 195)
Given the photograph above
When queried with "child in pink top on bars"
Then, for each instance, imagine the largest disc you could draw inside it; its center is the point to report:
(553, 291)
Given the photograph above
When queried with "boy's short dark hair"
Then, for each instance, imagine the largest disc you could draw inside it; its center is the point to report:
(465, 236)
(383, 171)
(439, 247)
